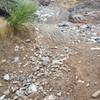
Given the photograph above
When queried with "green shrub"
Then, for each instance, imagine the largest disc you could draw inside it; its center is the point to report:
(21, 13)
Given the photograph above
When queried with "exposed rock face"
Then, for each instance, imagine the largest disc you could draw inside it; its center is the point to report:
(44, 2)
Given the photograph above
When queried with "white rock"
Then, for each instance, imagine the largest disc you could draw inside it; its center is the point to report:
(7, 77)
(2, 97)
(84, 26)
(1, 84)
(88, 84)
(15, 98)
(27, 63)
(50, 97)
(28, 40)
(16, 59)
(95, 48)
(32, 88)
(69, 70)
(57, 62)
(20, 93)
(55, 47)
(14, 88)
(80, 81)
(59, 94)
(16, 48)
(96, 94)
(3, 61)
(7, 92)
(95, 83)
(46, 60)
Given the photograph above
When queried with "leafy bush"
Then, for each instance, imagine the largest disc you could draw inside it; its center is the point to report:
(21, 13)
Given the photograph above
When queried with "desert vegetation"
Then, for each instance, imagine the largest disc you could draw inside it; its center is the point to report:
(17, 13)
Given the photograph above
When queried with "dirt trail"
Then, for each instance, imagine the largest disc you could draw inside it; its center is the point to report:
(87, 64)
(86, 61)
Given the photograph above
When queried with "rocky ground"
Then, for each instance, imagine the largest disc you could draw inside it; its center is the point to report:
(64, 61)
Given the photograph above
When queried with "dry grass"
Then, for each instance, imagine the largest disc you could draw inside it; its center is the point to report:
(5, 29)
(27, 31)
(15, 25)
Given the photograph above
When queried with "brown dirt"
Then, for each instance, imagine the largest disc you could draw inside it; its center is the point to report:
(84, 65)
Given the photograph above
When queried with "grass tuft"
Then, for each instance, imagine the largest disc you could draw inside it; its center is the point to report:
(21, 13)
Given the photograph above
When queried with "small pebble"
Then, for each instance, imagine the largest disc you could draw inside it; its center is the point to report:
(95, 48)
(15, 98)
(7, 77)
(2, 97)
(1, 84)
(50, 97)
(3, 61)
(20, 93)
(80, 81)
(97, 39)
(87, 85)
(59, 94)
(96, 94)
(55, 61)
(95, 83)
(46, 60)
(7, 92)
(16, 48)
(28, 40)
(16, 59)
(32, 88)
(69, 70)
(76, 77)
